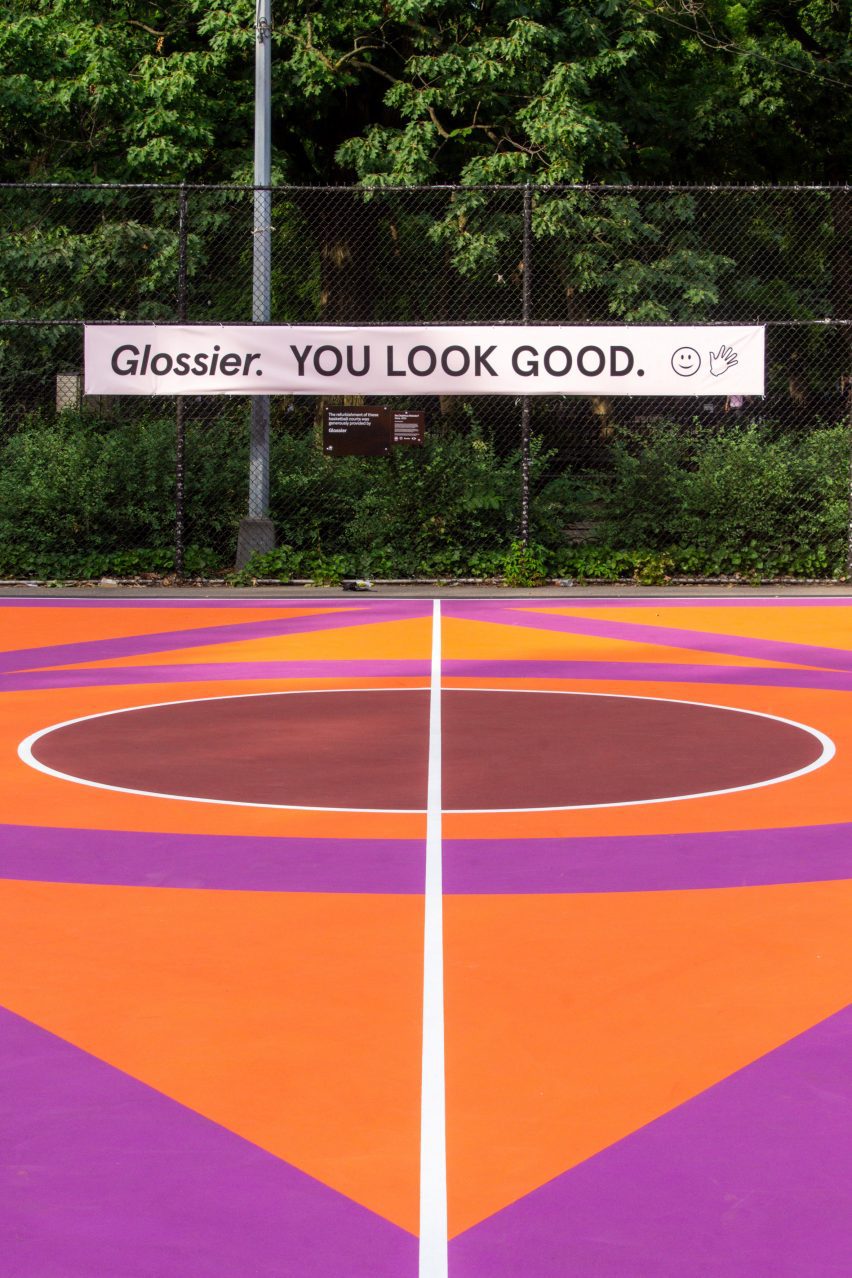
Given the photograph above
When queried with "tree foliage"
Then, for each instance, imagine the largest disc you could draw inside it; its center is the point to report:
(408, 92)
(125, 91)
(431, 90)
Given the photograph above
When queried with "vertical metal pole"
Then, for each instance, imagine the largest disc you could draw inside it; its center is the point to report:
(848, 391)
(262, 264)
(180, 427)
(526, 308)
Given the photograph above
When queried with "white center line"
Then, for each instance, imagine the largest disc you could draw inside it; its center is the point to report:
(433, 1138)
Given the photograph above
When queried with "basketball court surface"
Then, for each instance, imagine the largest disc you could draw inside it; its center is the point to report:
(401, 938)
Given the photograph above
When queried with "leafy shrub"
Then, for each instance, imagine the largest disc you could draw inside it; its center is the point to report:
(743, 499)
(526, 565)
(70, 487)
(84, 497)
(423, 511)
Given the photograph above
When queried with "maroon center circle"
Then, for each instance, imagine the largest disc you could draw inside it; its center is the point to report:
(348, 749)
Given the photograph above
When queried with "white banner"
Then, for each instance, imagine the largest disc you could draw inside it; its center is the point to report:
(243, 359)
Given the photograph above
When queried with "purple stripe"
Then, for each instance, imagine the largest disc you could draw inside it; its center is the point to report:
(224, 672)
(221, 672)
(636, 671)
(570, 599)
(693, 640)
(750, 1179)
(230, 862)
(259, 603)
(649, 862)
(714, 601)
(136, 645)
(637, 863)
(567, 599)
(104, 1176)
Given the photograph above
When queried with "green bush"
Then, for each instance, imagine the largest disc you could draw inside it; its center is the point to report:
(742, 499)
(526, 565)
(70, 487)
(433, 510)
(84, 496)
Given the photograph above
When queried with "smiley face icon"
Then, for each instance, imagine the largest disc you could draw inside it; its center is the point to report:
(686, 361)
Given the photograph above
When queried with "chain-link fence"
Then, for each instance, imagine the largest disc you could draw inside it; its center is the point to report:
(591, 486)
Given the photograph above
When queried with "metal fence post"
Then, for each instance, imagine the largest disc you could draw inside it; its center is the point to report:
(257, 533)
(526, 303)
(180, 426)
(846, 383)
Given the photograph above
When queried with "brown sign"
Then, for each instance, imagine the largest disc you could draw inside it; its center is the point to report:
(359, 431)
(408, 427)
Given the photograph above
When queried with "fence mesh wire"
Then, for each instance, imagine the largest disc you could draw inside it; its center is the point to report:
(616, 486)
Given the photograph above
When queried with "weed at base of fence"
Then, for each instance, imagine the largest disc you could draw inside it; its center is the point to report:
(526, 565)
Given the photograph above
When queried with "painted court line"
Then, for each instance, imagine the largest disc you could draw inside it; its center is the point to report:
(828, 752)
(27, 755)
(433, 1140)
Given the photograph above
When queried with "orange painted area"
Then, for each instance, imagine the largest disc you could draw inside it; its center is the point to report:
(818, 798)
(385, 640)
(574, 1020)
(829, 627)
(291, 1019)
(44, 626)
(294, 1019)
(26, 792)
(491, 641)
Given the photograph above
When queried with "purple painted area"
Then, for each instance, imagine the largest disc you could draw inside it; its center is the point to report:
(669, 636)
(570, 600)
(628, 672)
(752, 1178)
(229, 862)
(649, 671)
(649, 862)
(51, 600)
(182, 601)
(136, 645)
(220, 672)
(104, 1177)
(638, 863)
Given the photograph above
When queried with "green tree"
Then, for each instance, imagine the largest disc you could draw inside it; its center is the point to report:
(96, 90)
(431, 90)
(414, 91)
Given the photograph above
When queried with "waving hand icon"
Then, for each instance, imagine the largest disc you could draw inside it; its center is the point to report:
(720, 363)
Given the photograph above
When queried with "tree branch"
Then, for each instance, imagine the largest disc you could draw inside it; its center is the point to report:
(351, 56)
(133, 23)
(371, 66)
(437, 123)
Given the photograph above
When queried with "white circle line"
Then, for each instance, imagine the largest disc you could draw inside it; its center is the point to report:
(25, 752)
(828, 752)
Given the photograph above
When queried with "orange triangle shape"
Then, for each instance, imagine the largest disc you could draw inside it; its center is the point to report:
(571, 1021)
(292, 1019)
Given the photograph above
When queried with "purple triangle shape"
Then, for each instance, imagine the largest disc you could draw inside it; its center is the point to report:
(102, 1175)
(751, 1178)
